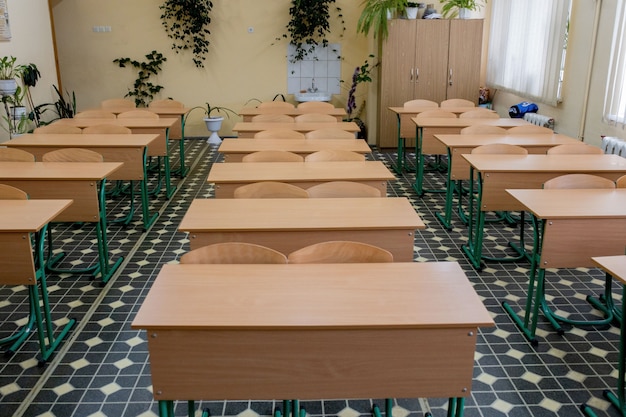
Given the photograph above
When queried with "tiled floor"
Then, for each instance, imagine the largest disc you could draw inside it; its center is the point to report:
(102, 369)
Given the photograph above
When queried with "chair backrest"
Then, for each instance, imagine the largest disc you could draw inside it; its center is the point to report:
(138, 114)
(279, 134)
(339, 252)
(315, 106)
(272, 156)
(316, 118)
(270, 189)
(330, 155)
(8, 192)
(272, 118)
(479, 113)
(501, 149)
(117, 103)
(329, 133)
(529, 130)
(107, 129)
(15, 155)
(72, 155)
(166, 104)
(233, 253)
(457, 102)
(435, 113)
(579, 181)
(575, 149)
(420, 103)
(282, 105)
(483, 130)
(621, 182)
(94, 114)
(59, 128)
(343, 189)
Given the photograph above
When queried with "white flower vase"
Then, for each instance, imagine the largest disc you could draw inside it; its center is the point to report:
(214, 124)
(411, 12)
(465, 13)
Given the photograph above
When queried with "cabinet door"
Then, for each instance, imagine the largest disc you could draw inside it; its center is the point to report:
(431, 59)
(464, 59)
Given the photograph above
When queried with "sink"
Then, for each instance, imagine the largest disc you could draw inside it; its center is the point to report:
(316, 96)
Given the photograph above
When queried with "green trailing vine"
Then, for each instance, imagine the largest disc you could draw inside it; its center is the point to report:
(186, 22)
(143, 89)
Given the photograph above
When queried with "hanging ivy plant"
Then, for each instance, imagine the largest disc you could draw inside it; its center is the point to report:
(187, 22)
(309, 25)
(143, 89)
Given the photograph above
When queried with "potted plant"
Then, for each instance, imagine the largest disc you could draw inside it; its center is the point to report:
(213, 120)
(412, 9)
(375, 15)
(460, 8)
(9, 71)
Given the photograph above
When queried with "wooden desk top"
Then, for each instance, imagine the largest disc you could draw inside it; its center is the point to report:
(27, 216)
(300, 171)
(254, 111)
(298, 214)
(243, 145)
(83, 140)
(418, 110)
(573, 203)
(297, 126)
(53, 171)
(161, 122)
(546, 163)
(461, 123)
(158, 110)
(614, 265)
(312, 296)
(526, 140)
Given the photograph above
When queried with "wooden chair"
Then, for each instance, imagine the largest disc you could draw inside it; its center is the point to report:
(578, 181)
(329, 133)
(315, 106)
(166, 104)
(621, 182)
(233, 253)
(419, 103)
(270, 189)
(457, 102)
(272, 156)
(8, 192)
(483, 130)
(272, 118)
(278, 105)
(500, 148)
(479, 114)
(529, 130)
(315, 118)
(72, 155)
(56, 128)
(15, 155)
(117, 103)
(330, 155)
(437, 113)
(279, 134)
(343, 189)
(107, 129)
(575, 149)
(94, 114)
(138, 114)
(338, 251)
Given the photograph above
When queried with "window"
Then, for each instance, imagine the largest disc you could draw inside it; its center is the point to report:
(526, 47)
(615, 97)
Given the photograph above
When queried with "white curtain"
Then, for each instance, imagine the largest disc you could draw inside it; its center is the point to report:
(526, 47)
(615, 97)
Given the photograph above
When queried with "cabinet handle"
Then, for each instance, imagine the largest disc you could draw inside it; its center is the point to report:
(450, 77)
(411, 79)
(417, 74)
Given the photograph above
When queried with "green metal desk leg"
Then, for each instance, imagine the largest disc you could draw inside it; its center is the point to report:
(418, 185)
(446, 218)
(388, 408)
(166, 408)
(400, 152)
(456, 407)
(183, 170)
(169, 189)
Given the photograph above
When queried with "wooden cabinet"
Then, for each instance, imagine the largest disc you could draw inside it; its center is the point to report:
(428, 59)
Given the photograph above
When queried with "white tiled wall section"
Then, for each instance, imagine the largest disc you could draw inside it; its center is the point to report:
(323, 65)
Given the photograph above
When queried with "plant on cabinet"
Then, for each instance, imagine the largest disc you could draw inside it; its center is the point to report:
(375, 15)
(460, 8)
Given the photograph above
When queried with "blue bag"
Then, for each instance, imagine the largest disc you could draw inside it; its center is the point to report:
(520, 109)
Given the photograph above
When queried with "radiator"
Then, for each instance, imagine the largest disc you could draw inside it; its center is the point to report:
(613, 145)
(540, 120)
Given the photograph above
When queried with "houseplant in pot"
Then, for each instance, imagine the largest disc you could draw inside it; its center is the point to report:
(9, 71)
(460, 8)
(375, 15)
(213, 120)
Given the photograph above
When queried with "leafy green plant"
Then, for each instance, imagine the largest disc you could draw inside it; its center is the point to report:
(143, 89)
(450, 8)
(208, 110)
(8, 68)
(64, 107)
(374, 16)
(186, 22)
(278, 96)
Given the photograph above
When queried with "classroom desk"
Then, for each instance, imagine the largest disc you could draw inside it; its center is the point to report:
(426, 144)
(575, 225)
(20, 266)
(160, 126)
(227, 177)
(235, 149)
(249, 112)
(406, 127)
(74, 180)
(288, 224)
(319, 330)
(131, 150)
(459, 170)
(615, 267)
(496, 173)
(248, 129)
